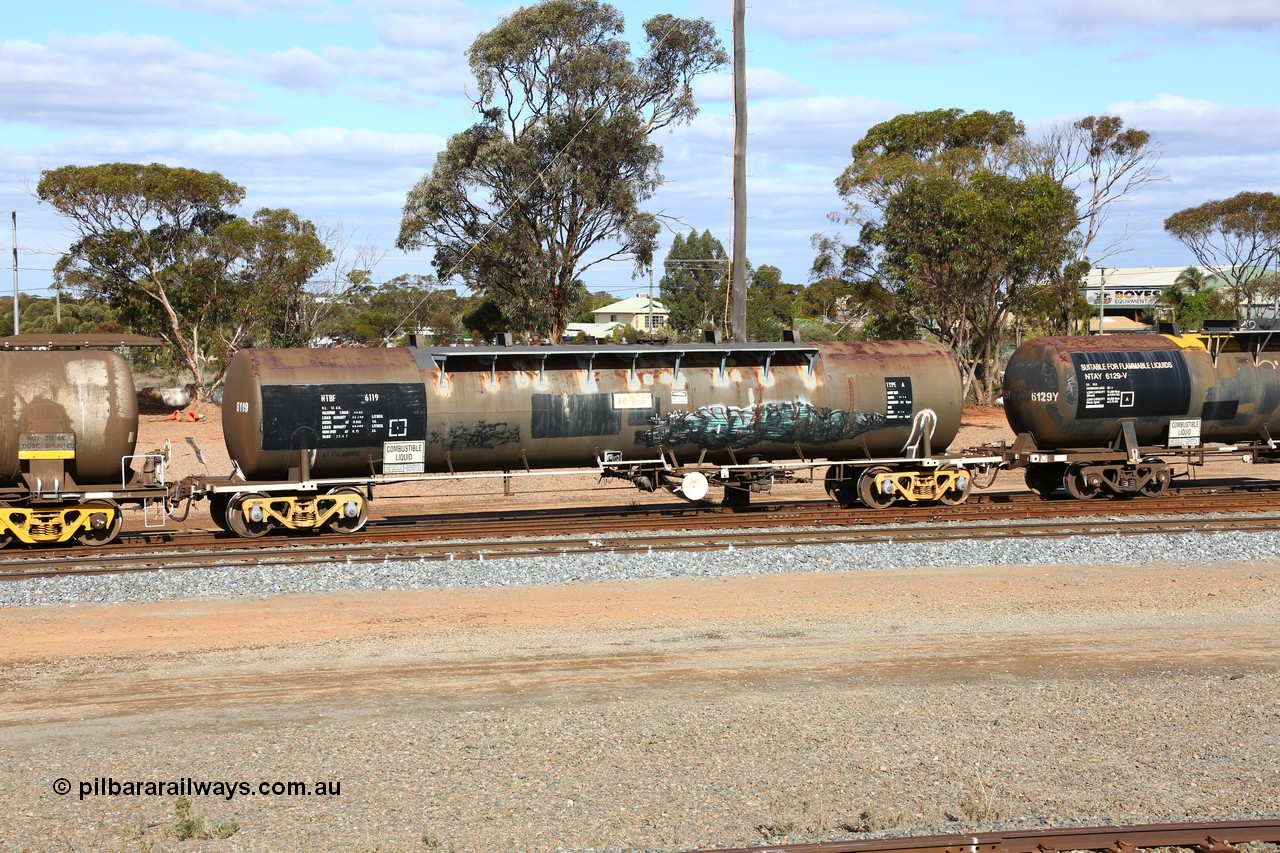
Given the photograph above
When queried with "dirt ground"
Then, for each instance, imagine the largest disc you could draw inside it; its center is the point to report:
(290, 683)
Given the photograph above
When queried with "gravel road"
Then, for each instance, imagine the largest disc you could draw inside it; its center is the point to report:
(767, 694)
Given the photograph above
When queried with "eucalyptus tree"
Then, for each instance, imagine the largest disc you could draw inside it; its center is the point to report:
(162, 246)
(694, 283)
(953, 222)
(551, 179)
(1235, 238)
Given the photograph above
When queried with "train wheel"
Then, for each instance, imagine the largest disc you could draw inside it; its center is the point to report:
(1080, 485)
(218, 510)
(244, 526)
(956, 495)
(869, 493)
(840, 489)
(105, 522)
(1160, 478)
(352, 514)
(1044, 480)
(5, 537)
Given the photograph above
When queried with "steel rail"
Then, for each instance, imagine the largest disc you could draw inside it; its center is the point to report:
(1218, 837)
(296, 550)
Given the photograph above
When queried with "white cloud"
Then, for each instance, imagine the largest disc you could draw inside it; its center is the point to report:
(1187, 127)
(298, 68)
(1239, 15)
(762, 83)
(243, 8)
(452, 29)
(116, 80)
(831, 20)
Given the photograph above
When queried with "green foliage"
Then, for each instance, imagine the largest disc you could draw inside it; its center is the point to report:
(161, 246)
(955, 224)
(892, 325)
(1189, 301)
(586, 313)
(772, 304)
(485, 321)
(40, 315)
(1236, 237)
(377, 314)
(188, 826)
(694, 282)
(1056, 304)
(286, 251)
(551, 179)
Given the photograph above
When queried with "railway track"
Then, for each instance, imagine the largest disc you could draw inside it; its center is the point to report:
(1221, 837)
(532, 533)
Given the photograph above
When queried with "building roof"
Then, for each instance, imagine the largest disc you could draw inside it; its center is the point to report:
(591, 330)
(632, 305)
(1119, 324)
(1136, 277)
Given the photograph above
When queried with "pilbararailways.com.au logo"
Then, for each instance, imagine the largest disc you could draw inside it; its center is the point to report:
(188, 787)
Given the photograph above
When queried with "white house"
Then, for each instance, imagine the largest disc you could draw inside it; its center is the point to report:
(637, 312)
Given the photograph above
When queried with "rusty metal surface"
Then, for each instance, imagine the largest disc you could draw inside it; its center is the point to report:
(1201, 837)
(88, 341)
(89, 394)
(274, 403)
(507, 408)
(1073, 392)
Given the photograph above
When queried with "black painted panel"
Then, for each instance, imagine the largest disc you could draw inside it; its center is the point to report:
(340, 416)
(1131, 384)
(572, 415)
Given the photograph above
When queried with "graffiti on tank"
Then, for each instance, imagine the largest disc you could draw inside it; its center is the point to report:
(477, 436)
(719, 427)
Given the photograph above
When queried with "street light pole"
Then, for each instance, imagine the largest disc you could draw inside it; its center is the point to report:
(1102, 298)
(15, 270)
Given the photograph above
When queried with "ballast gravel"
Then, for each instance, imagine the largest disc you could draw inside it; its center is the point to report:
(606, 565)
(736, 757)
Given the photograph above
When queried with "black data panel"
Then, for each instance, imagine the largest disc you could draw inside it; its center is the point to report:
(1131, 384)
(898, 403)
(339, 416)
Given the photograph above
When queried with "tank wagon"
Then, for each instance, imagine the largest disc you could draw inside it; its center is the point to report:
(68, 427)
(312, 432)
(1104, 414)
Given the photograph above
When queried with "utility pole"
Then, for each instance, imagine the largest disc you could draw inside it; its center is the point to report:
(14, 214)
(738, 277)
(1102, 298)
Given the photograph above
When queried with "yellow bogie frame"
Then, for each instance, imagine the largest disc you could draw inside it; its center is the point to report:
(344, 510)
(92, 523)
(949, 484)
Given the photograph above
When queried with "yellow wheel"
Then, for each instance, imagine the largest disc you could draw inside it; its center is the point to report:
(962, 485)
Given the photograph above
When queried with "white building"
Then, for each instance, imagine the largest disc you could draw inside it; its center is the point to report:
(637, 312)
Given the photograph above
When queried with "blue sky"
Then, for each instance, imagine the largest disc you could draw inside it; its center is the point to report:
(335, 109)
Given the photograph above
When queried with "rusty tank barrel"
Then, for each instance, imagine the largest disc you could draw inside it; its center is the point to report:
(1075, 392)
(77, 405)
(363, 411)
